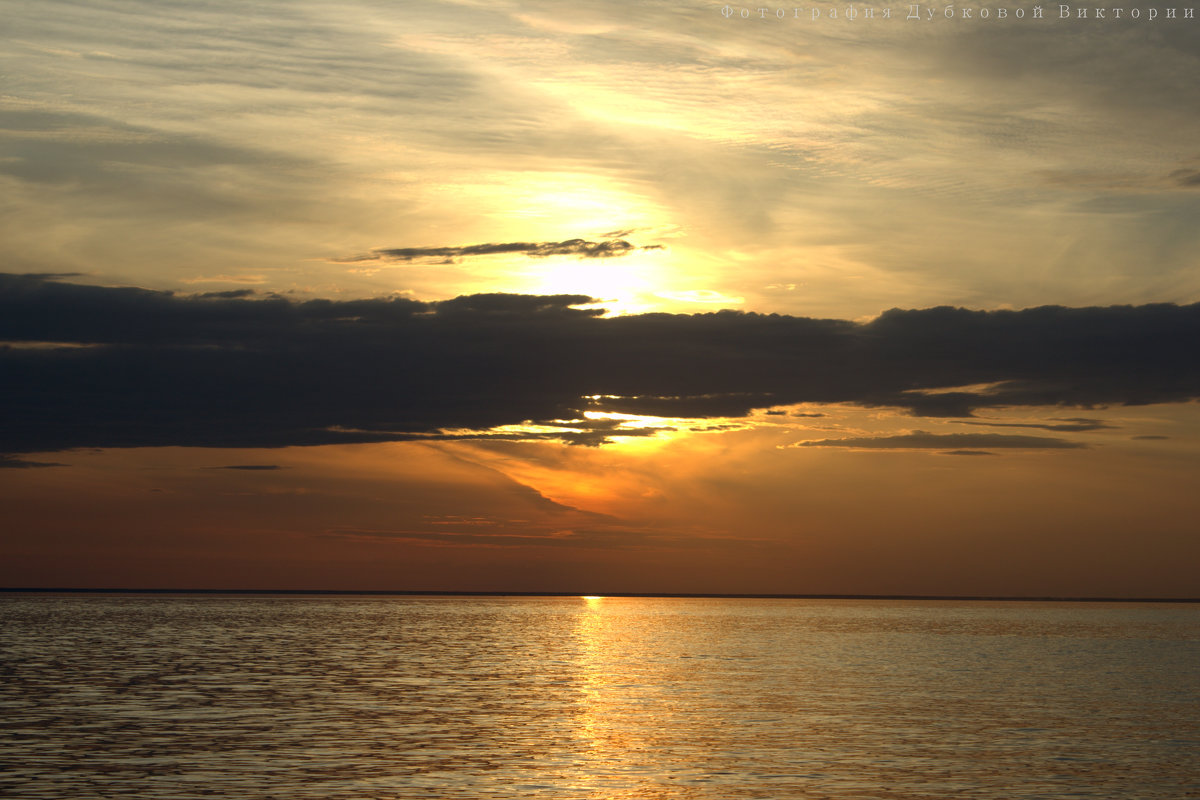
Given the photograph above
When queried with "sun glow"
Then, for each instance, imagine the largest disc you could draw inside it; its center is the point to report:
(620, 284)
(575, 204)
(567, 206)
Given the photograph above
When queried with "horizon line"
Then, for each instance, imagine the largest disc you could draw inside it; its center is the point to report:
(665, 595)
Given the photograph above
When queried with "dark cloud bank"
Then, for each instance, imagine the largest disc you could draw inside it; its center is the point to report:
(231, 370)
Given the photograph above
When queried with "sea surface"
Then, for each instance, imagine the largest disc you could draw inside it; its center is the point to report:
(492, 697)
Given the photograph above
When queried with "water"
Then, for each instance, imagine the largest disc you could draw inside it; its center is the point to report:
(373, 697)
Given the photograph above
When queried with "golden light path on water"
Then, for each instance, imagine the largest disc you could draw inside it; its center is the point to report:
(629, 719)
(600, 730)
(594, 674)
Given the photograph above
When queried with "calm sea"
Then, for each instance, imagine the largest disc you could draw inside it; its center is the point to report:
(442, 697)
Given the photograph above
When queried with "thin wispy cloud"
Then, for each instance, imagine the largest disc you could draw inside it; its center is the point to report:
(962, 443)
(1186, 177)
(251, 467)
(12, 462)
(581, 248)
(1074, 425)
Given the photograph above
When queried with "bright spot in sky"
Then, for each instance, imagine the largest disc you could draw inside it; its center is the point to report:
(616, 282)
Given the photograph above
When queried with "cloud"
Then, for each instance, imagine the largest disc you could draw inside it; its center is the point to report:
(11, 462)
(231, 294)
(1072, 425)
(251, 467)
(1186, 177)
(266, 371)
(920, 440)
(582, 248)
(585, 431)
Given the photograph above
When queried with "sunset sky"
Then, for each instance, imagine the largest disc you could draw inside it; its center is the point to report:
(599, 297)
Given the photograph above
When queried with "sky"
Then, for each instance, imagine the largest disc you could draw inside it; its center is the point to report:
(597, 298)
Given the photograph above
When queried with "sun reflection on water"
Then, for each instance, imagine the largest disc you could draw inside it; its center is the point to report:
(621, 707)
(598, 721)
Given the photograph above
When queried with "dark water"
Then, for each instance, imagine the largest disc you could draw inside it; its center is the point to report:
(286, 697)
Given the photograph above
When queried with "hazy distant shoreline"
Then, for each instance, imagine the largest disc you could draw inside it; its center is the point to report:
(674, 595)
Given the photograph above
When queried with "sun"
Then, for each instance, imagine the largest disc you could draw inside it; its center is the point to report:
(621, 284)
(567, 206)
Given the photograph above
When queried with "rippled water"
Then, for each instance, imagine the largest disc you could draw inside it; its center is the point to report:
(439, 697)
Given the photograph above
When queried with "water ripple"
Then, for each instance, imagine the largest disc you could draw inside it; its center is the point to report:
(376, 698)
